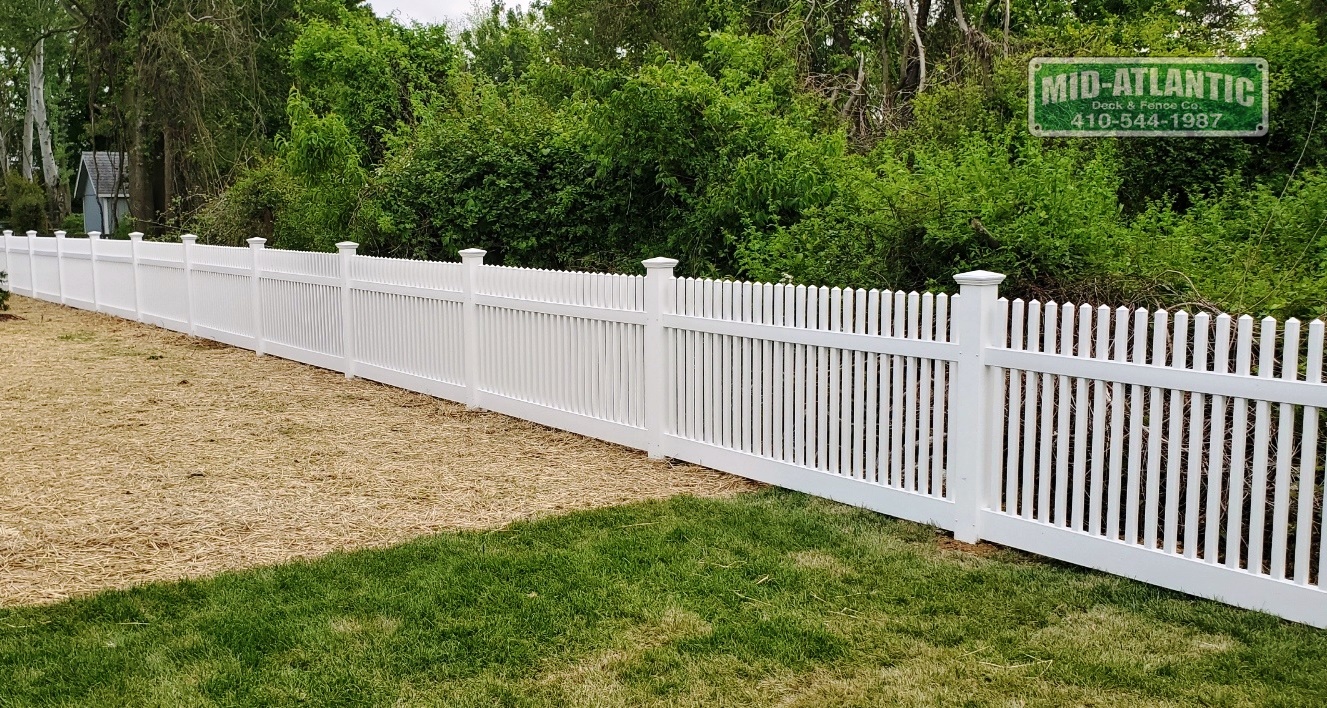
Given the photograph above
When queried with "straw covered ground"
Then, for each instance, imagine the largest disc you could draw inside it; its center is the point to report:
(130, 454)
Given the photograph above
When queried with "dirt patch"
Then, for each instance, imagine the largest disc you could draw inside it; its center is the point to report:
(980, 549)
(130, 454)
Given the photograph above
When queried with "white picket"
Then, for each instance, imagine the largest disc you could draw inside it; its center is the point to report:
(1062, 408)
(1284, 440)
(1099, 405)
(1080, 442)
(1194, 475)
(1308, 465)
(1047, 410)
(1013, 431)
(1238, 437)
(1216, 485)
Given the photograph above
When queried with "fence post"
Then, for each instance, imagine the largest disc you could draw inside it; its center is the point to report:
(32, 264)
(971, 409)
(347, 251)
(94, 237)
(9, 267)
(256, 245)
(136, 238)
(60, 265)
(659, 284)
(471, 260)
(188, 240)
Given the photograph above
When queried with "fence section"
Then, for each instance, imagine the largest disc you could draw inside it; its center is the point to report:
(406, 324)
(1180, 450)
(778, 381)
(564, 349)
(1165, 446)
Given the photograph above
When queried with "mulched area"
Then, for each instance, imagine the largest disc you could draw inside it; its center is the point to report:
(131, 454)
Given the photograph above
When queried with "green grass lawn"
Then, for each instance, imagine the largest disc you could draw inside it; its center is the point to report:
(766, 598)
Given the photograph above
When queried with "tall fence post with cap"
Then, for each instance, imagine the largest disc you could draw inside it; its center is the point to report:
(256, 245)
(471, 260)
(971, 416)
(94, 238)
(9, 264)
(4, 236)
(32, 263)
(346, 251)
(188, 240)
(60, 265)
(659, 294)
(136, 238)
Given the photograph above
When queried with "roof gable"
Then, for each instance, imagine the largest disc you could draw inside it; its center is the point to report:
(101, 169)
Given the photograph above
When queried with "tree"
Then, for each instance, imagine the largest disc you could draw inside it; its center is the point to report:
(189, 89)
(25, 27)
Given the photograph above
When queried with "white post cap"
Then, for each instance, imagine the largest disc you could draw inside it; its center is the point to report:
(32, 234)
(9, 232)
(347, 246)
(979, 277)
(468, 253)
(59, 234)
(135, 235)
(660, 263)
(256, 242)
(94, 235)
(188, 238)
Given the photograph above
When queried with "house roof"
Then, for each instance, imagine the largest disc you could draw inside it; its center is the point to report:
(102, 168)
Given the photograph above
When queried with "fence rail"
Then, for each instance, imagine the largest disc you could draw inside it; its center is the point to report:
(1179, 450)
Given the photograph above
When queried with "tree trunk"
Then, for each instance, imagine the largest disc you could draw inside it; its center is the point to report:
(50, 173)
(26, 163)
(142, 205)
(913, 21)
(4, 147)
(886, 99)
(168, 175)
(961, 18)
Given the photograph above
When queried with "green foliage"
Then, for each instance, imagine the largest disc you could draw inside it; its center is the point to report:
(4, 291)
(72, 224)
(27, 204)
(502, 172)
(503, 46)
(373, 75)
(1260, 250)
(257, 205)
(790, 144)
(914, 217)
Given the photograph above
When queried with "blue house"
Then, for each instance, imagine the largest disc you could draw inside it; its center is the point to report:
(104, 201)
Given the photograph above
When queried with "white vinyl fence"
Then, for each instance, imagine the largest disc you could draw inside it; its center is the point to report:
(1179, 450)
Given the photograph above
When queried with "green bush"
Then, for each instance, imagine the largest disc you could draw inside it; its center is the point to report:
(257, 205)
(913, 217)
(73, 225)
(27, 205)
(4, 291)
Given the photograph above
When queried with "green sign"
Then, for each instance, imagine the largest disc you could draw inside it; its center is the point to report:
(1121, 97)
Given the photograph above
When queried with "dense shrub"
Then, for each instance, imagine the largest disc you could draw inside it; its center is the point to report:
(558, 144)
(27, 204)
(912, 218)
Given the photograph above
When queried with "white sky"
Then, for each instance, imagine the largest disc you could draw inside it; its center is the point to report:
(426, 11)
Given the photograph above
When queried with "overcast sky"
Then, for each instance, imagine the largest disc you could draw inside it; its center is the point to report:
(427, 11)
